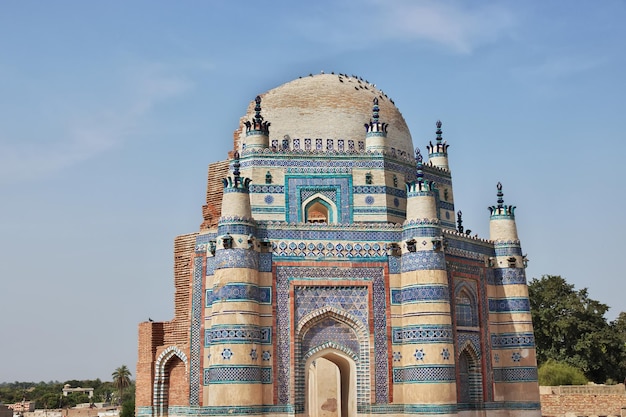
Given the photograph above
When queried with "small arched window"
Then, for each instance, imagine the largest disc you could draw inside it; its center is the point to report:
(466, 311)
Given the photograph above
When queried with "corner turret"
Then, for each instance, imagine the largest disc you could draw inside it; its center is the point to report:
(376, 131)
(503, 231)
(257, 130)
(236, 200)
(438, 153)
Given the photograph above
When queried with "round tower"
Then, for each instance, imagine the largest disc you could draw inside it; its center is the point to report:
(234, 372)
(376, 131)
(513, 359)
(428, 371)
(257, 130)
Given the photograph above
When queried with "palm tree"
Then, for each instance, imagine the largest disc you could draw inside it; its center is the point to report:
(121, 379)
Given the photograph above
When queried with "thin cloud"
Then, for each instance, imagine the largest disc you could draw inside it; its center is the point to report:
(86, 137)
(456, 26)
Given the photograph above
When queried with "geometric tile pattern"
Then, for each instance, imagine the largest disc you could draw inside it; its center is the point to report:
(265, 189)
(239, 292)
(515, 374)
(330, 330)
(471, 248)
(420, 231)
(394, 264)
(420, 260)
(314, 231)
(508, 250)
(236, 258)
(378, 189)
(297, 185)
(504, 276)
(512, 340)
(284, 325)
(506, 305)
(220, 374)
(350, 299)
(219, 334)
(236, 228)
(195, 336)
(303, 249)
(265, 262)
(420, 293)
(424, 374)
(434, 333)
(468, 338)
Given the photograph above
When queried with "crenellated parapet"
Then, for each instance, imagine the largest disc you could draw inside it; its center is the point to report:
(440, 147)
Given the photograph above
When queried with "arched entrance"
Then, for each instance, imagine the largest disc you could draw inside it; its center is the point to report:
(330, 384)
(470, 384)
(171, 382)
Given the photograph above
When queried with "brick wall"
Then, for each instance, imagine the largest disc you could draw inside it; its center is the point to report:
(178, 388)
(214, 191)
(583, 401)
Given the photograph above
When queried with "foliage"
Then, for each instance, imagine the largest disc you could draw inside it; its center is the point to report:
(570, 327)
(128, 408)
(554, 373)
(121, 379)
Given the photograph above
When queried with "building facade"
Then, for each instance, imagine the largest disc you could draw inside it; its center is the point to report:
(331, 276)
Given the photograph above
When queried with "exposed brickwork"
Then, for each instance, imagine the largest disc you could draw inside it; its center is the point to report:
(583, 401)
(150, 337)
(211, 211)
(178, 390)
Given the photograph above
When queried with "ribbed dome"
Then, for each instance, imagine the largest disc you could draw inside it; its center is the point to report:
(329, 106)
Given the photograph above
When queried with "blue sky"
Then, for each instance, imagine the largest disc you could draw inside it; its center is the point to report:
(111, 111)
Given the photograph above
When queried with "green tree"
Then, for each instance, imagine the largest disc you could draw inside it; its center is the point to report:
(121, 379)
(553, 373)
(571, 328)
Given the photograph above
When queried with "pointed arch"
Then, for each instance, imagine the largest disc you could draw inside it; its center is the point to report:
(168, 362)
(470, 384)
(350, 353)
(466, 305)
(319, 209)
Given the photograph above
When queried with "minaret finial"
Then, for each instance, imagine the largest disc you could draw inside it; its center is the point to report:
(440, 147)
(459, 221)
(502, 209)
(258, 126)
(375, 127)
(236, 165)
(439, 132)
(420, 165)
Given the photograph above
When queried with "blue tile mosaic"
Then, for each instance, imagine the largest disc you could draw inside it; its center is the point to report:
(420, 260)
(422, 334)
(355, 233)
(195, 335)
(283, 324)
(508, 305)
(303, 249)
(236, 258)
(331, 330)
(420, 293)
(430, 374)
(507, 276)
(508, 250)
(236, 229)
(512, 340)
(220, 334)
(267, 188)
(220, 374)
(379, 189)
(395, 264)
(239, 292)
(300, 186)
(515, 374)
(265, 262)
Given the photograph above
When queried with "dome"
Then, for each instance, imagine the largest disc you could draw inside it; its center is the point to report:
(329, 106)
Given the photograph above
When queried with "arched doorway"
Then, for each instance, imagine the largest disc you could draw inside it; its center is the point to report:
(319, 209)
(470, 386)
(330, 384)
(171, 381)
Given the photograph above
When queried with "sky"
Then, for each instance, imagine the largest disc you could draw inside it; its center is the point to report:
(110, 113)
